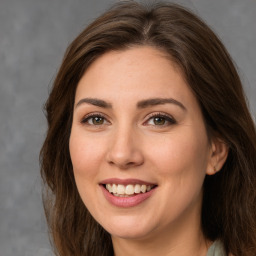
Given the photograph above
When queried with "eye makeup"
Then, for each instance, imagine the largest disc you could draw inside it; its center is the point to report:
(160, 119)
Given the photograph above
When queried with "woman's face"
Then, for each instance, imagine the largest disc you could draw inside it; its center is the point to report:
(138, 145)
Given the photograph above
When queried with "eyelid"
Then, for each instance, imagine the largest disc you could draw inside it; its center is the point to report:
(169, 118)
(86, 117)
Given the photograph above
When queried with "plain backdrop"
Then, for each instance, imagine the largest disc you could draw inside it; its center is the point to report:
(33, 37)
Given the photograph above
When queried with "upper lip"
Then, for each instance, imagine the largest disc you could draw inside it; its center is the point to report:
(125, 181)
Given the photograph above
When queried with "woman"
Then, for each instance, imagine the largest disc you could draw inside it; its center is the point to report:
(150, 147)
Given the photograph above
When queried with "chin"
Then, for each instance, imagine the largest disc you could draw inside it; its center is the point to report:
(129, 234)
(127, 229)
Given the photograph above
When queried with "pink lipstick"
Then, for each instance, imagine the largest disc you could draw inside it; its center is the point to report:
(127, 192)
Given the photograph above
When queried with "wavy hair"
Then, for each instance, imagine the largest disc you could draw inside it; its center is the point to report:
(229, 197)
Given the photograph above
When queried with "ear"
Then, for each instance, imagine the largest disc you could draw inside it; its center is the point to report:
(217, 156)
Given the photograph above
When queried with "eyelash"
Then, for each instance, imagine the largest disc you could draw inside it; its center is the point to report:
(167, 118)
(91, 116)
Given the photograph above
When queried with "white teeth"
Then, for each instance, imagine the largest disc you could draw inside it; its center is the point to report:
(137, 189)
(129, 190)
(114, 188)
(120, 189)
(143, 188)
(124, 191)
(109, 188)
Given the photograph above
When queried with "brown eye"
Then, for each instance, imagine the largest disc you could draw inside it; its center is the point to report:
(159, 120)
(97, 120)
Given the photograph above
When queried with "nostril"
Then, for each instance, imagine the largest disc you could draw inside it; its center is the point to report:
(123, 164)
(111, 162)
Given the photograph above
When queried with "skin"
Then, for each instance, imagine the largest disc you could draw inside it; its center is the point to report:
(129, 143)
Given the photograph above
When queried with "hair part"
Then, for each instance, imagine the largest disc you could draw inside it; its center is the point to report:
(229, 199)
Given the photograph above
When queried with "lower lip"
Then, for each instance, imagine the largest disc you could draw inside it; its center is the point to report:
(126, 201)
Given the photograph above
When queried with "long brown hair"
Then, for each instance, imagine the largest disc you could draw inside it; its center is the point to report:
(229, 201)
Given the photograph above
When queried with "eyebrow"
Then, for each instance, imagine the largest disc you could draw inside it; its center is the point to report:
(95, 102)
(141, 104)
(159, 101)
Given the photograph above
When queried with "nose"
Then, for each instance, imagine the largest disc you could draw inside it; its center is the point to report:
(125, 149)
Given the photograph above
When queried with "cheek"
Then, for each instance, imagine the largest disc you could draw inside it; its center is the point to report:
(181, 162)
(85, 153)
(86, 156)
(184, 151)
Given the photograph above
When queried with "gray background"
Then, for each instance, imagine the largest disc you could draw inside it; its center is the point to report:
(33, 37)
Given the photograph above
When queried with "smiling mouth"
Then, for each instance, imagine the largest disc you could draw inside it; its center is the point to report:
(129, 190)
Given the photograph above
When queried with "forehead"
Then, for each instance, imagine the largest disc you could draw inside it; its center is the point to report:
(138, 72)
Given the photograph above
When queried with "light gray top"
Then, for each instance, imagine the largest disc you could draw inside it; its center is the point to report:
(216, 249)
